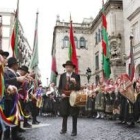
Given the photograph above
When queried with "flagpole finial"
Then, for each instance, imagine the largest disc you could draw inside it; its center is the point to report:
(70, 17)
(37, 12)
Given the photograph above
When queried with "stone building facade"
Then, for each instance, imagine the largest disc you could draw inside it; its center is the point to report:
(114, 16)
(132, 27)
(88, 36)
(83, 41)
(6, 28)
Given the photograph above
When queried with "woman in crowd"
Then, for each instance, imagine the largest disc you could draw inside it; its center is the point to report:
(109, 99)
(100, 100)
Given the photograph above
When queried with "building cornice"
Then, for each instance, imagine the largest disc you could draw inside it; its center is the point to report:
(6, 13)
(107, 8)
(74, 27)
(90, 27)
(134, 14)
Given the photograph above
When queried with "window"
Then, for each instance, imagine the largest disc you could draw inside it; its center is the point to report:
(6, 20)
(66, 42)
(96, 41)
(97, 38)
(97, 78)
(82, 43)
(5, 31)
(136, 34)
(76, 42)
(99, 35)
(97, 62)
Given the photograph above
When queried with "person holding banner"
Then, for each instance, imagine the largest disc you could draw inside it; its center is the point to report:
(127, 100)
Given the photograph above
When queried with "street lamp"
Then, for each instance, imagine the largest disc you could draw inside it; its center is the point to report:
(131, 39)
(88, 74)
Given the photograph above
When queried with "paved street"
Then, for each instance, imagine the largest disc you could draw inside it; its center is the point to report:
(88, 129)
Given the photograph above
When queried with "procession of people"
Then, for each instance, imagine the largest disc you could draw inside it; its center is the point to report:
(21, 96)
(23, 99)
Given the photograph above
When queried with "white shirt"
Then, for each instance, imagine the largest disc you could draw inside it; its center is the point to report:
(69, 74)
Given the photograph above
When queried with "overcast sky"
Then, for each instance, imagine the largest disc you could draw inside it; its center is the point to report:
(48, 10)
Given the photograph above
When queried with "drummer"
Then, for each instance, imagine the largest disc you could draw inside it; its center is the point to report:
(68, 81)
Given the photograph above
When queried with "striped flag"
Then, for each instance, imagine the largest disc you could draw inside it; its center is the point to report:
(53, 70)
(72, 49)
(14, 37)
(105, 47)
(35, 58)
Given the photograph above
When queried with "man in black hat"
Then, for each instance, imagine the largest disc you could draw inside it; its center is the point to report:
(11, 78)
(4, 55)
(23, 70)
(68, 81)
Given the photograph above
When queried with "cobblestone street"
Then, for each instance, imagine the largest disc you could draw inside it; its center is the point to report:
(88, 129)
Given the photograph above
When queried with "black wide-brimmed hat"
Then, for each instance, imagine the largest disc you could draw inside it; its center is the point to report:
(12, 61)
(68, 63)
(24, 68)
(4, 53)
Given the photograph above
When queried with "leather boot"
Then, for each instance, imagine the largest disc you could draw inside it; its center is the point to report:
(64, 126)
(74, 126)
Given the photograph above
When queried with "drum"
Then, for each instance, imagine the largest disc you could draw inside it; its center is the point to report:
(78, 99)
